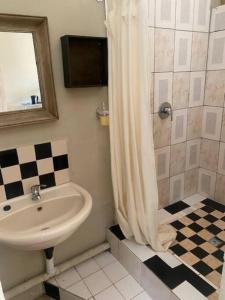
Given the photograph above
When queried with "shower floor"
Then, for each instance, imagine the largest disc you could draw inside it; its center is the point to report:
(193, 265)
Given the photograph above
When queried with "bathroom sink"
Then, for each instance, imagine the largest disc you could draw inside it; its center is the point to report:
(35, 225)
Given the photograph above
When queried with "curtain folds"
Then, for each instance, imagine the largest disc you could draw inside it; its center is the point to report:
(131, 135)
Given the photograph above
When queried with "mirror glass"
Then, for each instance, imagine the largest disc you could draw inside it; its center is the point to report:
(19, 83)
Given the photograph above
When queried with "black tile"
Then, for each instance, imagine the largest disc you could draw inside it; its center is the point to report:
(220, 269)
(202, 268)
(176, 207)
(219, 255)
(223, 219)
(178, 225)
(193, 217)
(180, 237)
(207, 209)
(1, 179)
(51, 290)
(197, 239)
(29, 170)
(179, 250)
(48, 180)
(210, 218)
(199, 252)
(213, 229)
(60, 162)
(8, 158)
(14, 189)
(118, 232)
(195, 227)
(214, 204)
(43, 150)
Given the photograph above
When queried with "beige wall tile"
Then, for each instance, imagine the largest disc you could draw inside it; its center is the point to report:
(164, 192)
(215, 88)
(211, 122)
(162, 162)
(179, 126)
(199, 51)
(207, 183)
(193, 154)
(221, 163)
(209, 154)
(164, 55)
(190, 182)
(177, 161)
(177, 188)
(194, 127)
(181, 85)
(220, 189)
(162, 131)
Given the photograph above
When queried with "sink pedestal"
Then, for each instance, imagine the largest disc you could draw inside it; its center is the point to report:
(50, 266)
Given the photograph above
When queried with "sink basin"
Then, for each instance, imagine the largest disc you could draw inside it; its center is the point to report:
(45, 223)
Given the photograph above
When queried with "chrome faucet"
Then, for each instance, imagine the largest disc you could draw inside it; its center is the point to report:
(35, 191)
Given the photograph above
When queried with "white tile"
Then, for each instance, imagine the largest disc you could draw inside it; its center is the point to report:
(68, 278)
(162, 162)
(212, 120)
(59, 147)
(26, 154)
(45, 166)
(141, 251)
(165, 13)
(109, 294)
(184, 14)
(183, 47)
(115, 271)
(185, 290)
(218, 19)
(97, 282)
(143, 296)
(197, 89)
(11, 174)
(128, 287)
(176, 188)
(201, 15)
(104, 259)
(199, 51)
(179, 126)
(169, 259)
(163, 89)
(194, 199)
(80, 289)
(88, 267)
(216, 59)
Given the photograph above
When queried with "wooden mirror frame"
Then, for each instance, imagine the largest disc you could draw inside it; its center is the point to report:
(38, 26)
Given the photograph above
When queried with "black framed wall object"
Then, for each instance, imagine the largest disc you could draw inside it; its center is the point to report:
(85, 61)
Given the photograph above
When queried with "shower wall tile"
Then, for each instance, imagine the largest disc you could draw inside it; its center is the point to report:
(199, 51)
(201, 15)
(182, 56)
(220, 189)
(221, 163)
(181, 85)
(193, 154)
(164, 192)
(184, 14)
(163, 162)
(194, 127)
(215, 88)
(207, 183)
(165, 13)
(197, 89)
(162, 131)
(164, 56)
(212, 121)
(191, 182)
(216, 59)
(179, 126)
(209, 155)
(218, 19)
(177, 188)
(223, 128)
(177, 159)
(163, 89)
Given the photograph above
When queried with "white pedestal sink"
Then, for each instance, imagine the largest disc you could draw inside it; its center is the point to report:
(45, 223)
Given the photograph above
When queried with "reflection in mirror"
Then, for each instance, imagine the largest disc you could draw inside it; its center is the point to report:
(19, 83)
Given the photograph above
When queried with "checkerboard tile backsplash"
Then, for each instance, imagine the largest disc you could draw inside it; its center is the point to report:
(22, 167)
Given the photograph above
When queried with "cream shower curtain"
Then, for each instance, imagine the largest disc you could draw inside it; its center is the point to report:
(132, 150)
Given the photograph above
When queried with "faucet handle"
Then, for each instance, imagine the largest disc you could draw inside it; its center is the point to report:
(37, 187)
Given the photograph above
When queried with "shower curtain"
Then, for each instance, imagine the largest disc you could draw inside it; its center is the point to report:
(132, 149)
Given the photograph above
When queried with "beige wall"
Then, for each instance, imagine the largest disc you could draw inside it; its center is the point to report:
(88, 142)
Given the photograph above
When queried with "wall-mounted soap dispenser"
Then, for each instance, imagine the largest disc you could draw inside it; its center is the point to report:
(102, 114)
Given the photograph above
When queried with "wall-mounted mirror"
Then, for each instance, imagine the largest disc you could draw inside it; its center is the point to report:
(27, 93)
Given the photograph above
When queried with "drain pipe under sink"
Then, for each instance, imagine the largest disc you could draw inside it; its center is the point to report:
(49, 260)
